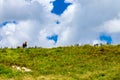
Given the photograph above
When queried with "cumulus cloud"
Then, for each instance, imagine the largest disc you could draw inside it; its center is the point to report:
(112, 26)
(82, 22)
(32, 18)
(89, 16)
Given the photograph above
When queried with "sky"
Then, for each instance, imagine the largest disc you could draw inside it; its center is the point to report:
(53, 23)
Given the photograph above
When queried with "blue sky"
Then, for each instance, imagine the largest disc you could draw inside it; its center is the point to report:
(53, 37)
(105, 37)
(59, 6)
(7, 22)
(51, 23)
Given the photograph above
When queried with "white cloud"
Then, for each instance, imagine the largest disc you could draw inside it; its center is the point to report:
(46, 4)
(98, 42)
(112, 26)
(88, 17)
(80, 23)
(21, 10)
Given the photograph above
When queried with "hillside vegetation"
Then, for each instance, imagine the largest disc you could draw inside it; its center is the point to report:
(62, 63)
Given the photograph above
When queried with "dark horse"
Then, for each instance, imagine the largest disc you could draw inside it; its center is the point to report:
(24, 45)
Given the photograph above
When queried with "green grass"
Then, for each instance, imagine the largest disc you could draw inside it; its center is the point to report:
(62, 63)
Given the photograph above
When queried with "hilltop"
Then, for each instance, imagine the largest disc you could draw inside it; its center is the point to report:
(62, 63)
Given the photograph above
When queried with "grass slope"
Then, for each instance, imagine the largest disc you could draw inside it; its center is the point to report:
(62, 63)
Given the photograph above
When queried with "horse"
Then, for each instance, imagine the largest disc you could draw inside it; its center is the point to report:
(24, 45)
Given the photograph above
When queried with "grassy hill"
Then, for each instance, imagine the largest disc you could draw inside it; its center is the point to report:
(62, 63)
